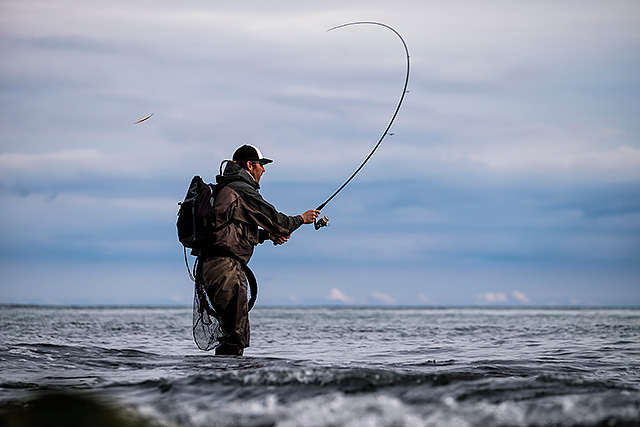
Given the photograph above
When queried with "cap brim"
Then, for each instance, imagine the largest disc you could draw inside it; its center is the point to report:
(266, 161)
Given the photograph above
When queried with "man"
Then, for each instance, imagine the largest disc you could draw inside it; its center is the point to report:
(250, 220)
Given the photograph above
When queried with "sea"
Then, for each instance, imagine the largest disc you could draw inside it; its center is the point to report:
(323, 366)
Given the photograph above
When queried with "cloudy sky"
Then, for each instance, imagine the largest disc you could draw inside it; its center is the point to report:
(512, 177)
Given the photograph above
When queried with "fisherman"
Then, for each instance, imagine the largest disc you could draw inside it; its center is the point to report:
(252, 220)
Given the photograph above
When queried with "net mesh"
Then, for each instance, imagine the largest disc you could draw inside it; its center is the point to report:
(206, 324)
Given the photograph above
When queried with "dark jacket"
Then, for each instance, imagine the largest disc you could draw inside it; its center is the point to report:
(239, 201)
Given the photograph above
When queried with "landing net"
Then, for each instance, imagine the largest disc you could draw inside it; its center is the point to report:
(206, 325)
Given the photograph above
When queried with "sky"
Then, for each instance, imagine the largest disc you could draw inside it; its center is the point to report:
(512, 176)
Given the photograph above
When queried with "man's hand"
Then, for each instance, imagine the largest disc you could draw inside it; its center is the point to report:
(310, 216)
(279, 240)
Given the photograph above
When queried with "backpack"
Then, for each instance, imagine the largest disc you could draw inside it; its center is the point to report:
(196, 220)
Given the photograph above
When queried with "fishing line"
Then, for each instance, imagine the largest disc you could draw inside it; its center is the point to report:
(323, 221)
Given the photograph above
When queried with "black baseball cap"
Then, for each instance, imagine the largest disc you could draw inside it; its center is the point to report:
(249, 152)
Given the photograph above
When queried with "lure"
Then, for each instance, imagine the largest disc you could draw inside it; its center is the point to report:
(143, 119)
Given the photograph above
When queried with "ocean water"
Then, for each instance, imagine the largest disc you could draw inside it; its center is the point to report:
(329, 366)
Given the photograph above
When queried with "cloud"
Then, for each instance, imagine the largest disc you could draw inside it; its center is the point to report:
(336, 295)
(493, 297)
(177, 298)
(523, 137)
(423, 298)
(498, 297)
(520, 296)
(384, 298)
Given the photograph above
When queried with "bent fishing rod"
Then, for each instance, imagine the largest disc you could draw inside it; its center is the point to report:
(323, 222)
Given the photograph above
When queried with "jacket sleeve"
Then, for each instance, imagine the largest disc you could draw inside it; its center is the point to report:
(266, 215)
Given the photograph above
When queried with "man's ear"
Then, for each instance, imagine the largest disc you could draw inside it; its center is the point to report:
(247, 164)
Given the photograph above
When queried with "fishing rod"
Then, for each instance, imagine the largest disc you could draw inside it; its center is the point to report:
(323, 222)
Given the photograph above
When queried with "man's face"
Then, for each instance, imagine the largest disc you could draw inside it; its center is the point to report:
(256, 170)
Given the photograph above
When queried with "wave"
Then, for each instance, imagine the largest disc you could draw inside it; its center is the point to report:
(199, 390)
(258, 371)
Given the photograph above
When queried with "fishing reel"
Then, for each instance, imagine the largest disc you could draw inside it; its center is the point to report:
(322, 222)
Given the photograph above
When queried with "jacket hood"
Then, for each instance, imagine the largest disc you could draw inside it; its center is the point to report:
(233, 172)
